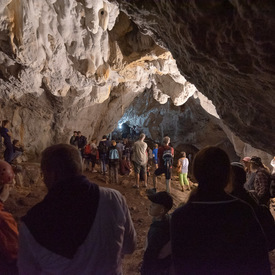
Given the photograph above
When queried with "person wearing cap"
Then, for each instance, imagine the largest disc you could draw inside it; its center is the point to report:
(250, 176)
(79, 227)
(8, 226)
(214, 232)
(261, 181)
(158, 236)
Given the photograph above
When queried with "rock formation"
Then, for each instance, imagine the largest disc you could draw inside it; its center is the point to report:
(79, 65)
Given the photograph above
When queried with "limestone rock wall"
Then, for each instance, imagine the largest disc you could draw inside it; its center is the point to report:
(227, 50)
(79, 65)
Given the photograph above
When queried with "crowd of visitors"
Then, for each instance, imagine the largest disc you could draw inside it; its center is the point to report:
(82, 228)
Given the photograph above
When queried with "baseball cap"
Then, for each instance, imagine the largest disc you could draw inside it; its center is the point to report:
(162, 198)
(247, 159)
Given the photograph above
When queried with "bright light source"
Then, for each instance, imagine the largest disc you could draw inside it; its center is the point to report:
(120, 126)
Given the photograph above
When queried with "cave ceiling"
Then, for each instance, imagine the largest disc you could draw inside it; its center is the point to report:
(79, 65)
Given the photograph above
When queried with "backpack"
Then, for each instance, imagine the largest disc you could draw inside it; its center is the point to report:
(87, 149)
(272, 185)
(167, 158)
(113, 154)
(102, 147)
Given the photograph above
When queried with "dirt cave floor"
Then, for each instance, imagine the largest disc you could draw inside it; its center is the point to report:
(22, 198)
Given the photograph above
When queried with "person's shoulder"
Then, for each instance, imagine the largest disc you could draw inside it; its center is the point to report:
(110, 194)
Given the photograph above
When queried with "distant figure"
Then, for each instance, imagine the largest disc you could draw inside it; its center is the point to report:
(17, 150)
(272, 163)
(74, 139)
(79, 227)
(93, 154)
(155, 155)
(250, 176)
(261, 181)
(140, 159)
(150, 156)
(81, 143)
(113, 163)
(103, 150)
(8, 228)
(183, 164)
(262, 212)
(158, 235)
(6, 134)
(215, 233)
(119, 147)
(127, 150)
(125, 168)
(165, 162)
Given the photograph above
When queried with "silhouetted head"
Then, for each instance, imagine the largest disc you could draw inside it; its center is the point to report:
(60, 162)
(256, 162)
(238, 175)
(183, 154)
(104, 137)
(211, 168)
(5, 123)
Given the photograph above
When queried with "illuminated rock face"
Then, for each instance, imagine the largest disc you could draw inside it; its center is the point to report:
(78, 65)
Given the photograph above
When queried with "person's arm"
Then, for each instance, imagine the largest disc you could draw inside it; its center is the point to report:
(130, 236)
(262, 187)
(8, 236)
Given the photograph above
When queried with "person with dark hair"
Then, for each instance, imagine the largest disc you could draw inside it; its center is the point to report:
(103, 150)
(6, 134)
(262, 212)
(79, 227)
(74, 139)
(8, 226)
(165, 162)
(81, 143)
(261, 180)
(215, 233)
(158, 235)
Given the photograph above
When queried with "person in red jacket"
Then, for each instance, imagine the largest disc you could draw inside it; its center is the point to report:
(8, 226)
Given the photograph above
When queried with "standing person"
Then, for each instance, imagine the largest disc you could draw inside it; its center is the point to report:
(158, 235)
(87, 156)
(73, 139)
(6, 134)
(81, 143)
(183, 164)
(124, 166)
(215, 233)
(119, 147)
(155, 155)
(250, 176)
(272, 163)
(139, 159)
(126, 150)
(79, 227)
(113, 163)
(93, 154)
(261, 181)
(165, 162)
(103, 154)
(8, 228)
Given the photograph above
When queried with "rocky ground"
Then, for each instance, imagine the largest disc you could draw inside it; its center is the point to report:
(32, 190)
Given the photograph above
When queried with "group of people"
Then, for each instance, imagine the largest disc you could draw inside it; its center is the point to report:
(82, 228)
(258, 178)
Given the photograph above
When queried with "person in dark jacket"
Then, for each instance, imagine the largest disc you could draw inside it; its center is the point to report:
(158, 236)
(214, 232)
(6, 134)
(81, 143)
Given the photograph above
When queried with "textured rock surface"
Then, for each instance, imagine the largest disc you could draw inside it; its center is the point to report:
(78, 65)
(225, 48)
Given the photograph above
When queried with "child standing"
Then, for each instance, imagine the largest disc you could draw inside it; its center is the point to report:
(183, 164)
(158, 235)
(113, 163)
